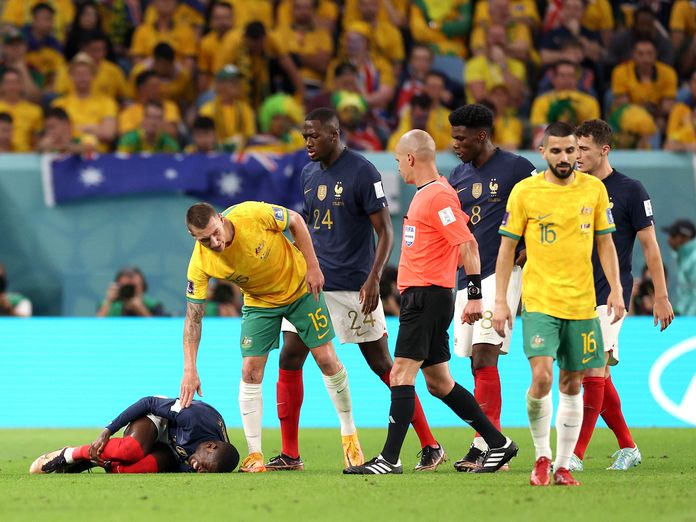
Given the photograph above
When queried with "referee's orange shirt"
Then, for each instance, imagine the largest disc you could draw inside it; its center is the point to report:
(434, 228)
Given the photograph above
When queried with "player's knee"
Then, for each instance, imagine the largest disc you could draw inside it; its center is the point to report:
(291, 361)
(541, 383)
(252, 375)
(326, 359)
(439, 387)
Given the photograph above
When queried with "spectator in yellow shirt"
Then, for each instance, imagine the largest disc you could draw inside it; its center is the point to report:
(90, 113)
(109, 80)
(345, 78)
(6, 132)
(682, 23)
(19, 13)
(310, 45)
(233, 116)
(279, 117)
(26, 117)
(249, 11)
(221, 21)
(45, 52)
(563, 103)
(176, 83)
(150, 137)
(203, 137)
(185, 13)
(259, 57)
(165, 30)
(495, 67)
(325, 16)
(645, 81)
(14, 55)
(508, 128)
(60, 137)
(519, 18)
(419, 114)
(442, 25)
(386, 38)
(148, 88)
(681, 128)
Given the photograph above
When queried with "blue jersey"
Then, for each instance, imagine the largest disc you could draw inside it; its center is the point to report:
(338, 202)
(188, 427)
(632, 211)
(483, 193)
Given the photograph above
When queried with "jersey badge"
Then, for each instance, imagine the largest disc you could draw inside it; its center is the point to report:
(477, 190)
(505, 218)
(409, 234)
(537, 342)
(379, 189)
(446, 216)
(189, 287)
(338, 190)
(278, 213)
(247, 343)
(493, 187)
(648, 208)
(610, 217)
(321, 192)
(586, 211)
(585, 228)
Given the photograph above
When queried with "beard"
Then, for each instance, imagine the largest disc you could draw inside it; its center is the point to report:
(560, 175)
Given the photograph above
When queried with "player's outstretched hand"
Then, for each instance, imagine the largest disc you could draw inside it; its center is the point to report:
(501, 317)
(190, 385)
(473, 311)
(369, 295)
(97, 446)
(315, 281)
(615, 305)
(663, 313)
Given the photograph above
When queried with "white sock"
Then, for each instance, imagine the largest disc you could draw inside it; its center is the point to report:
(568, 423)
(539, 412)
(480, 444)
(69, 455)
(339, 392)
(251, 407)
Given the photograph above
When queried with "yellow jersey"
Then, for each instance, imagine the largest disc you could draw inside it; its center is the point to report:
(109, 81)
(27, 122)
(558, 223)
(304, 43)
(683, 17)
(681, 125)
(578, 108)
(18, 13)
(180, 36)
(267, 267)
(131, 117)
(233, 122)
(662, 85)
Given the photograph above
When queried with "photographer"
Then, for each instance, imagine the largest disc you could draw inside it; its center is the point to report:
(12, 303)
(126, 297)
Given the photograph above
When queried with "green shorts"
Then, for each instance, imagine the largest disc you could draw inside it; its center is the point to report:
(577, 344)
(261, 326)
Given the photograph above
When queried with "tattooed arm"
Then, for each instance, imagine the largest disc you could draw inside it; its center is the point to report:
(190, 383)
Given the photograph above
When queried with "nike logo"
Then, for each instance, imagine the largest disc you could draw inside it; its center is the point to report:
(458, 191)
(279, 403)
(308, 191)
(587, 359)
(544, 216)
(570, 426)
(323, 335)
(248, 413)
(341, 390)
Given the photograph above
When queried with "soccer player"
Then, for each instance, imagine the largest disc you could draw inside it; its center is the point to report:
(559, 213)
(245, 245)
(483, 183)
(435, 240)
(345, 205)
(160, 437)
(633, 216)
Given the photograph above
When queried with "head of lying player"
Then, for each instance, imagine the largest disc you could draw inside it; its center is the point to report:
(214, 456)
(560, 149)
(322, 135)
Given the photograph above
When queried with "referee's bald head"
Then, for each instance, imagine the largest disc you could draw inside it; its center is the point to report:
(418, 143)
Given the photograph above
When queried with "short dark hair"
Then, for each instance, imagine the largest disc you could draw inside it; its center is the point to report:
(557, 64)
(643, 9)
(130, 270)
(203, 123)
(598, 130)
(42, 6)
(154, 103)
(421, 100)
(57, 113)
(558, 129)
(93, 36)
(422, 46)
(439, 74)
(323, 115)
(639, 41)
(143, 77)
(254, 31)
(226, 457)
(342, 67)
(199, 215)
(6, 117)
(473, 115)
(164, 51)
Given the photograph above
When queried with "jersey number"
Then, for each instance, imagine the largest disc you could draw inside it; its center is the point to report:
(475, 214)
(367, 319)
(548, 234)
(326, 220)
(319, 319)
(240, 279)
(589, 344)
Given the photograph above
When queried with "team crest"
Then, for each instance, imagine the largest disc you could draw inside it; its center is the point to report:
(321, 192)
(247, 343)
(586, 211)
(493, 187)
(338, 189)
(409, 234)
(537, 341)
(477, 190)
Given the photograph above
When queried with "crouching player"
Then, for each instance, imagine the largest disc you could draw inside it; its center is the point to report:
(160, 437)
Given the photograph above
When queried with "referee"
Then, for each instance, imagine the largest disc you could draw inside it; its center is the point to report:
(435, 241)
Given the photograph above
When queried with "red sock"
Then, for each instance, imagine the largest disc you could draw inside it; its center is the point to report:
(148, 464)
(612, 415)
(419, 422)
(290, 392)
(126, 450)
(592, 399)
(487, 393)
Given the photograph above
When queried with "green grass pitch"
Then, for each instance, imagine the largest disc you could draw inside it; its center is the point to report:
(662, 488)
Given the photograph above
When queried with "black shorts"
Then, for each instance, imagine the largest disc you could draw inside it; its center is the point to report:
(426, 314)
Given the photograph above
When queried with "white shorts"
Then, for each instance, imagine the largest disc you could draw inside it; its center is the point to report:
(482, 332)
(162, 426)
(349, 323)
(610, 334)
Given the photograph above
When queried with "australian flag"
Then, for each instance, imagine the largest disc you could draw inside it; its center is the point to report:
(220, 179)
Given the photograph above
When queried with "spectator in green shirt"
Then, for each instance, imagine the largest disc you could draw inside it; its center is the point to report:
(151, 136)
(126, 296)
(12, 303)
(681, 236)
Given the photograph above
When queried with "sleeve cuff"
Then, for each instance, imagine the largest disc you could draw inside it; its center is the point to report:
(605, 231)
(287, 219)
(508, 234)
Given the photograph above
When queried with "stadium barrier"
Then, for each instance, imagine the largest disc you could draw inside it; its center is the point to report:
(74, 372)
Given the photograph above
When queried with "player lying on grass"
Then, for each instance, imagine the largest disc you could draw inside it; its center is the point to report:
(160, 437)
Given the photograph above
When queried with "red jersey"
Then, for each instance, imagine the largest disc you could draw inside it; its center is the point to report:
(433, 230)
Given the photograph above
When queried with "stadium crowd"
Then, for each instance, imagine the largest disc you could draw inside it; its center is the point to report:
(198, 76)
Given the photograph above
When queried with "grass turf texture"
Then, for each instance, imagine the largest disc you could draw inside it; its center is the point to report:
(661, 488)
